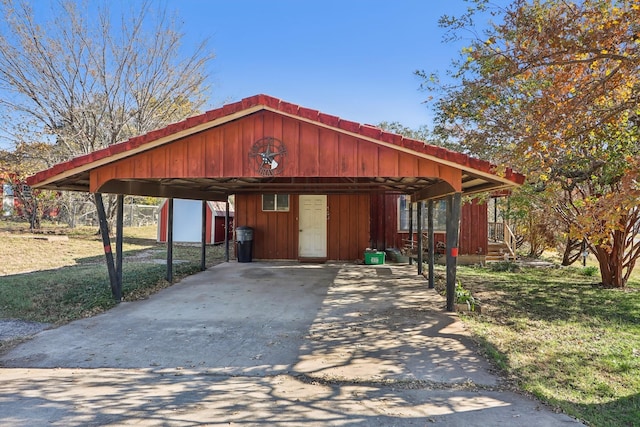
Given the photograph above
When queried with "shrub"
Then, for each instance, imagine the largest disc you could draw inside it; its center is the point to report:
(590, 271)
(508, 266)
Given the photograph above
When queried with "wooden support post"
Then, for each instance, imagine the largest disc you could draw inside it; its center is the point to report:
(119, 241)
(106, 242)
(203, 247)
(431, 244)
(453, 230)
(170, 240)
(419, 233)
(226, 231)
(410, 232)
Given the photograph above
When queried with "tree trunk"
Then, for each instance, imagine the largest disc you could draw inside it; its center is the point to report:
(611, 261)
(110, 207)
(572, 251)
(34, 217)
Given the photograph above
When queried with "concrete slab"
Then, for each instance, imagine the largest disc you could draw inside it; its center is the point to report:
(266, 343)
(234, 318)
(34, 397)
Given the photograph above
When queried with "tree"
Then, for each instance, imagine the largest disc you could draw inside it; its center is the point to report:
(81, 83)
(421, 134)
(553, 90)
(15, 166)
(529, 216)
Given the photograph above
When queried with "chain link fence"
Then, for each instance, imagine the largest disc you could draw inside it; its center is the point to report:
(135, 215)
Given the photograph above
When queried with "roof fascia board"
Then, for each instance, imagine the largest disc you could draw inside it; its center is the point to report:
(152, 144)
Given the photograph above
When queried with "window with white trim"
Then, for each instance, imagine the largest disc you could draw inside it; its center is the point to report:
(275, 202)
(439, 215)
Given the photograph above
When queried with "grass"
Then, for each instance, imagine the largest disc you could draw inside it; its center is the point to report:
(57, 281)
(563, 338)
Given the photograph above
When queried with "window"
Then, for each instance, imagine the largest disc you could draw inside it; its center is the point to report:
(275, 202)
(439, 215)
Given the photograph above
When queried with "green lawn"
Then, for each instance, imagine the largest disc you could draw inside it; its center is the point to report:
(560, 336)
(60, 280)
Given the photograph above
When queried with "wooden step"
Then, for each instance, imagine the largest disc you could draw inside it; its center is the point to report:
(498, 252)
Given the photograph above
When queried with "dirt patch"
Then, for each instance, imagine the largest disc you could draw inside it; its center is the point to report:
(48, 237)
(14, 332)
(11, 329)
(40, 231)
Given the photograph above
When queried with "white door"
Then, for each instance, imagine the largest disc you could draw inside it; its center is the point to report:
(313, 227)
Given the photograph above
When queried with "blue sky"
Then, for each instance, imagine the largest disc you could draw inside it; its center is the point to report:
(351, 58)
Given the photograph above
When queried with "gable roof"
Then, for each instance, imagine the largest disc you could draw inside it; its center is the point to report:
(477, 175)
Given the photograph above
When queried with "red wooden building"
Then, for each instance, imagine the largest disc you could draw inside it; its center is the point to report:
(311, 185)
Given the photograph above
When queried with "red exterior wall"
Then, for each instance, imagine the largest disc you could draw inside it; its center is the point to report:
(208, 226)
(163, 223)
(218, 235)
(312, 151)
(474, 228)
(355, 223)
(276, 233)
(385, 234)
(348, 226)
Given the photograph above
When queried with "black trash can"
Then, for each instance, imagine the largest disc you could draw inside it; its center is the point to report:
(244, 239)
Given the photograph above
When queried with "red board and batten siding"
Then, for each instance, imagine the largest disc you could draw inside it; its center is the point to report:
(240, 109)
(312, 151)
(474, 228)
(276, 233)
(385, 234)
(348, 226)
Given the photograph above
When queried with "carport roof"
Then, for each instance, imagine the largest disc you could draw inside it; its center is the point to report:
(477, 175)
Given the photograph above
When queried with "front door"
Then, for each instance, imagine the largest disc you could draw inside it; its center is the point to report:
(313, 227)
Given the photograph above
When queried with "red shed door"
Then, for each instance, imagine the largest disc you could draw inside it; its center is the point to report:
(313, 227)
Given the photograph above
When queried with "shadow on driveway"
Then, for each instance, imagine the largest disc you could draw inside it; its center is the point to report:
(266, 344)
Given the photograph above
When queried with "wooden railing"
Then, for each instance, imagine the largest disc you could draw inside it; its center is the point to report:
(501, 232)
(496, 232)
(510, 240)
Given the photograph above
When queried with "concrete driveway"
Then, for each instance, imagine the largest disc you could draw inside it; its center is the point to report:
(266, 344)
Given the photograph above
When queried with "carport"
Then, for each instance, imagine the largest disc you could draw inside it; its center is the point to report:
(265, 146)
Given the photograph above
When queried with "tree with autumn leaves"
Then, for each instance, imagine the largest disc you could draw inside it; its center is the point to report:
(552, 88)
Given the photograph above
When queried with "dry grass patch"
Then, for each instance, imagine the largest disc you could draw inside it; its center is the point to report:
(22, 251)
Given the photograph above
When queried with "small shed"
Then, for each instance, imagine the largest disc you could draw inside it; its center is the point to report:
(8, 201)
(187, 221)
